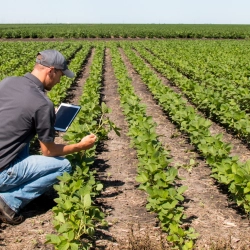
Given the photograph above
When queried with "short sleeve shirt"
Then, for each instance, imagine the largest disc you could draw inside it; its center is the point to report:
(25, 110)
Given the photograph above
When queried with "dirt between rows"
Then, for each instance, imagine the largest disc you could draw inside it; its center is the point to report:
(208, 206)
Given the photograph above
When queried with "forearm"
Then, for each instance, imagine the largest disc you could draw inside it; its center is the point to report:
(60, 149)
(53, 149)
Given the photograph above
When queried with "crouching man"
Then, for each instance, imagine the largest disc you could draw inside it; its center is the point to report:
(26, 111)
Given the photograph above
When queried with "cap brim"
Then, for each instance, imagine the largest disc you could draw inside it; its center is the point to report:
(68, 73)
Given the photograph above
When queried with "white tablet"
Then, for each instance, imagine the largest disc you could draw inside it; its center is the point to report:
(65, 116)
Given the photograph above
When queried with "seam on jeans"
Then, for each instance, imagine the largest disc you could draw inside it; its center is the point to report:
(8, 204)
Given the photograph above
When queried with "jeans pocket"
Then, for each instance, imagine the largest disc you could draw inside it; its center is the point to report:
(11, 173)
(6, 179)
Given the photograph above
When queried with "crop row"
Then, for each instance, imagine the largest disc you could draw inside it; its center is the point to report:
(76, 215)
(157, 178)
(226, 169)
(123, 31)
(17, 58)
(221, 66)
(212, 102)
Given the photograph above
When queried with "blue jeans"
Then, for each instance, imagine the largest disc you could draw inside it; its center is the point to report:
(29, 176)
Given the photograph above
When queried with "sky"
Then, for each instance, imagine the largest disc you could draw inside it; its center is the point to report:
(126, 11)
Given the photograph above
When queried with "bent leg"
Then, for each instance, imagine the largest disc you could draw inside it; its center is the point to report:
(30, 177)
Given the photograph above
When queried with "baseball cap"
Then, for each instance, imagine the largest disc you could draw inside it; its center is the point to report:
(53, 58)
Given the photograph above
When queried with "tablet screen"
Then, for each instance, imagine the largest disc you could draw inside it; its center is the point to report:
(65, 115)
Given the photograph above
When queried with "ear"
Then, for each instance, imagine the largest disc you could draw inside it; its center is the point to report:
(50, 70)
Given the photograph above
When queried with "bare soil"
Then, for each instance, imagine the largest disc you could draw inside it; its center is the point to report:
(208, 207)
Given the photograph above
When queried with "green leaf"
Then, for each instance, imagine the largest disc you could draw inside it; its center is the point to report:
(142, 177)
(68, 205)
(71, 235)
(64, 245)
(54, 239)
(189, 245)
(238, 179)
(246, 190)
(104, 108)
(182, 189)
(74, 246)
(60, 217)
(99, 187)
(64, 228)
(87, 200)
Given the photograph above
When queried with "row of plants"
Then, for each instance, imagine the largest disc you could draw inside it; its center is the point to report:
(227, 169)
(18, 58)
(211, 102)
(205, 59)
(76, 215)
(157, 178)
(124, 31)
(218, 65)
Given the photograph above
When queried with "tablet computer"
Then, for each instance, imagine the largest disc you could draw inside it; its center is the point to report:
(65, 115)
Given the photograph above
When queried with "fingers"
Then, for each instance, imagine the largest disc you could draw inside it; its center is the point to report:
(91, 137)
(88, 141)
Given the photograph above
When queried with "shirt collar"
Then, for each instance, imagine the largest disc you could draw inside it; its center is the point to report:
(35, 80)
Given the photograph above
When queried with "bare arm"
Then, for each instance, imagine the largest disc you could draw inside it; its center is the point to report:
(53, 149)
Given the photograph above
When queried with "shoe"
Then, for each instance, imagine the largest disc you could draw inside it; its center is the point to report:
(7, 215)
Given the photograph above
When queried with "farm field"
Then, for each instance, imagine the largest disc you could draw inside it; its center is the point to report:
(76, 31)
(180, 167)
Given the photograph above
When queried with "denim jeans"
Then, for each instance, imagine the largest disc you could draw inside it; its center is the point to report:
(29, 176)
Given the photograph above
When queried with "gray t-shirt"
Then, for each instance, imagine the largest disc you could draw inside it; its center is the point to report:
(25, 111)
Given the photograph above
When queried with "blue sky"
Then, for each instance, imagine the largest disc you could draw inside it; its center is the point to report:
(126, 11)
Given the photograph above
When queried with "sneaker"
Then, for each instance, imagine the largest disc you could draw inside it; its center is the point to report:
(7, 215)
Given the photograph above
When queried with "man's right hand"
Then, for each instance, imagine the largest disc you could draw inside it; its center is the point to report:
(87, 141)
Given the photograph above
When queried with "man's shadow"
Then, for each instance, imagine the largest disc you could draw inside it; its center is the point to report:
(41, 204)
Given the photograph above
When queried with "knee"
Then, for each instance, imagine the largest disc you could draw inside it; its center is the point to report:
(66, 166)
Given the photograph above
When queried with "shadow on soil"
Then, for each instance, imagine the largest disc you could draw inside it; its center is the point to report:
(41, 204)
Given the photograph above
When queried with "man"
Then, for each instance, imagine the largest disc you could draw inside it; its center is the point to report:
(25, 111)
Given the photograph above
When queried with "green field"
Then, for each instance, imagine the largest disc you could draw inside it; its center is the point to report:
(225, 31)
(212, 74)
